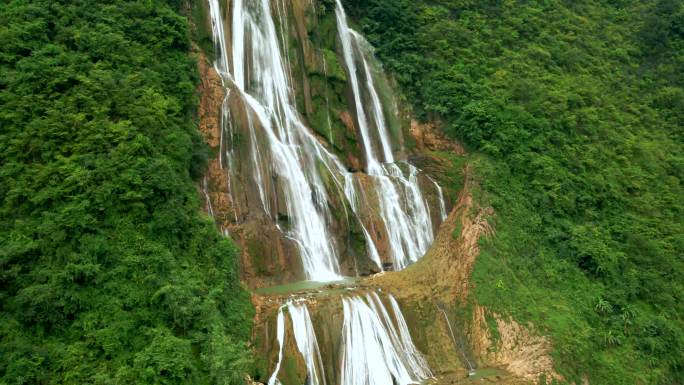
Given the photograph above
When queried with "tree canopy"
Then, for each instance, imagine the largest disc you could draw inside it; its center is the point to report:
(108, 271)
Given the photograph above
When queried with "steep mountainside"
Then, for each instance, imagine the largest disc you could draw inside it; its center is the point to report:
(109, 274)
(574, 111)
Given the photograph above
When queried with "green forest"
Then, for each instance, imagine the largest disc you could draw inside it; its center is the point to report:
(109, 274)
(573, 112)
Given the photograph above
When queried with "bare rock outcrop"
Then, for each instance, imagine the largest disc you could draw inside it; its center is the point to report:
(517, 348)
(429, 137)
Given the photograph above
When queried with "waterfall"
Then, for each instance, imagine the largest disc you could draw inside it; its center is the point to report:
(293, 173)
(273, 380)
(282, 148)
(440, 199)
(413, 355)
(305, 339)
(307, 342)
(210, 208)
(403, 209)
(288, 176)
(403, 338)
(375, 350)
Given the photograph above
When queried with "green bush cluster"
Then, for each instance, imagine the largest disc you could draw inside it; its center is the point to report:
(109, 274)
(574, 112)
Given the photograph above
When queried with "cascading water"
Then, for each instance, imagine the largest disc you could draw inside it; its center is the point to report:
(289, 165)
(273, 380)
(375, 350)
(401, 338)
(376, 345)
(210, 209)
(261, 77)
(307, 342)
(412, 354)
(404, 211)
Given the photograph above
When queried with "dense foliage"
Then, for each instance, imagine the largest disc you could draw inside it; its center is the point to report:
(109, 274)
(575, 113)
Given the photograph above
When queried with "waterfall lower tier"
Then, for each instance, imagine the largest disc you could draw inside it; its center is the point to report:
(307, 342)
(273, 380)
(374, 348)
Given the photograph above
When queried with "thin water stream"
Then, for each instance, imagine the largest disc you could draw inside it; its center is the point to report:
(471, 368)
(403, 208)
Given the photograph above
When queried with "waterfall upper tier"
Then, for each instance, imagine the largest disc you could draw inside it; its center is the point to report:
(311, 148)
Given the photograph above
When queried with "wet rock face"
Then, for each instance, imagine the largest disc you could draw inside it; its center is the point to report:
(216, 194)
(211, 96)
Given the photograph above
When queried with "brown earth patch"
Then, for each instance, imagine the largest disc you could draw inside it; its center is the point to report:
(211, 96)
(429, 137)
(516, 349)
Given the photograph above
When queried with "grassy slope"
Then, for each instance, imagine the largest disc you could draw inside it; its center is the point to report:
(574, 111)
(108, 271)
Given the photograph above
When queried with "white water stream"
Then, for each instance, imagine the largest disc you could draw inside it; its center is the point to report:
(305, 339)
(403, 208)
(376, 351)
(377, 348)
(273, 380)
(307, 342)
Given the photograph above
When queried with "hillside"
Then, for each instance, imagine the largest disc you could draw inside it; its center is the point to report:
(109, 274)
(573, 113)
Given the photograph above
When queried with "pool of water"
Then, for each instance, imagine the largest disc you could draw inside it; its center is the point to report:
(311, 286)
(480, 373)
